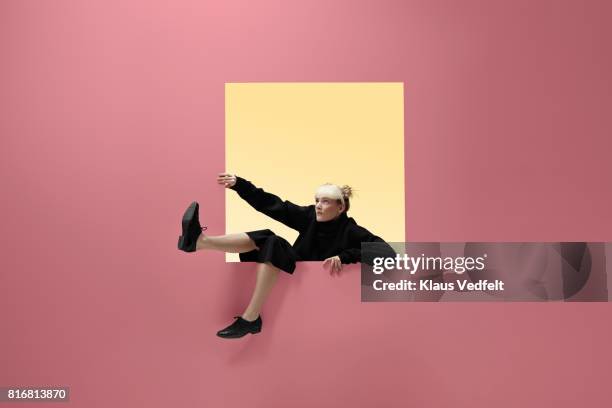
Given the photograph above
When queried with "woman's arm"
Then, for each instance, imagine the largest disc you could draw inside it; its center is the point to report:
(354, 255)
(292, 215)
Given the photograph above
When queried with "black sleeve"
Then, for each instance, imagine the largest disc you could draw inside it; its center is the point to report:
(357, 236)
(292, 215)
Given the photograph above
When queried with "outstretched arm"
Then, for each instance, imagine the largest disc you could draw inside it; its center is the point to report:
(292, 215)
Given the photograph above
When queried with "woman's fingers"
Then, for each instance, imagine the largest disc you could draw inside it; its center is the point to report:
(335, 264)
(226, 179)
(338, 264)
(329, 262)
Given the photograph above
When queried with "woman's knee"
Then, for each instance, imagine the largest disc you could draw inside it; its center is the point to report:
(270, 265)
(270, 268)
(251, 241)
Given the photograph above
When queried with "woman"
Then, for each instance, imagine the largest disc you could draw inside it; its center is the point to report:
(326, 234)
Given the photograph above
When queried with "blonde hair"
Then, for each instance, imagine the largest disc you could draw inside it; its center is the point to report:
(341, 193)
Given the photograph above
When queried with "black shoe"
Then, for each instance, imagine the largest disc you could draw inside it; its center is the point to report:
(191, 228)
(240, 327)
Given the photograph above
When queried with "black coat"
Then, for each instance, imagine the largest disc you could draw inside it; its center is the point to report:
(316, 241)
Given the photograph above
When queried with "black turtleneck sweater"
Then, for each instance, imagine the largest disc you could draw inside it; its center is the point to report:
(316, 241)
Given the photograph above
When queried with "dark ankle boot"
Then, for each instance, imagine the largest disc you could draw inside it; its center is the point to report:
(240, 328)
(191, 228)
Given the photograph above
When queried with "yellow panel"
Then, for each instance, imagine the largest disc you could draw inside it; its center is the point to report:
(289, 138)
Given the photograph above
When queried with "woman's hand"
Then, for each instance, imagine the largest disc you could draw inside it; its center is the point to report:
(228, 180)
(335, 264)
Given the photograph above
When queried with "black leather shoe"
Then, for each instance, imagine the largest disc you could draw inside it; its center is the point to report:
(240, 328)
(191, 228)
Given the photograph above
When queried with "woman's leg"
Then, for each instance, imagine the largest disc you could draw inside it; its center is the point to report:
(266, 277)
(235, 243)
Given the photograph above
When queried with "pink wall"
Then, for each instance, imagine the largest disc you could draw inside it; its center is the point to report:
(111, 121)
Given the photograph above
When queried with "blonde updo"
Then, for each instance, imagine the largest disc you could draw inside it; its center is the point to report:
(342, 194)
(347, 191)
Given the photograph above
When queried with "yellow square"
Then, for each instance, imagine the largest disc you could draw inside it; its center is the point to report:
(289, 138)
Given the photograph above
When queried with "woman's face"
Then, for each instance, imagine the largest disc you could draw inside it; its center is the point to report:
(327, 209)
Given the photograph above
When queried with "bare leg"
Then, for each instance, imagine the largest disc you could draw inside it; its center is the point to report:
(227, 243)
(266, 277)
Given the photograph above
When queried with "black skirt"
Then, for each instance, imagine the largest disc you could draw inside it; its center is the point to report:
(273, 249)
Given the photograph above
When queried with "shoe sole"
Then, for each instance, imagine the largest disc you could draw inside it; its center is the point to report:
(239, 337)
(187, 220)
(188, 216)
